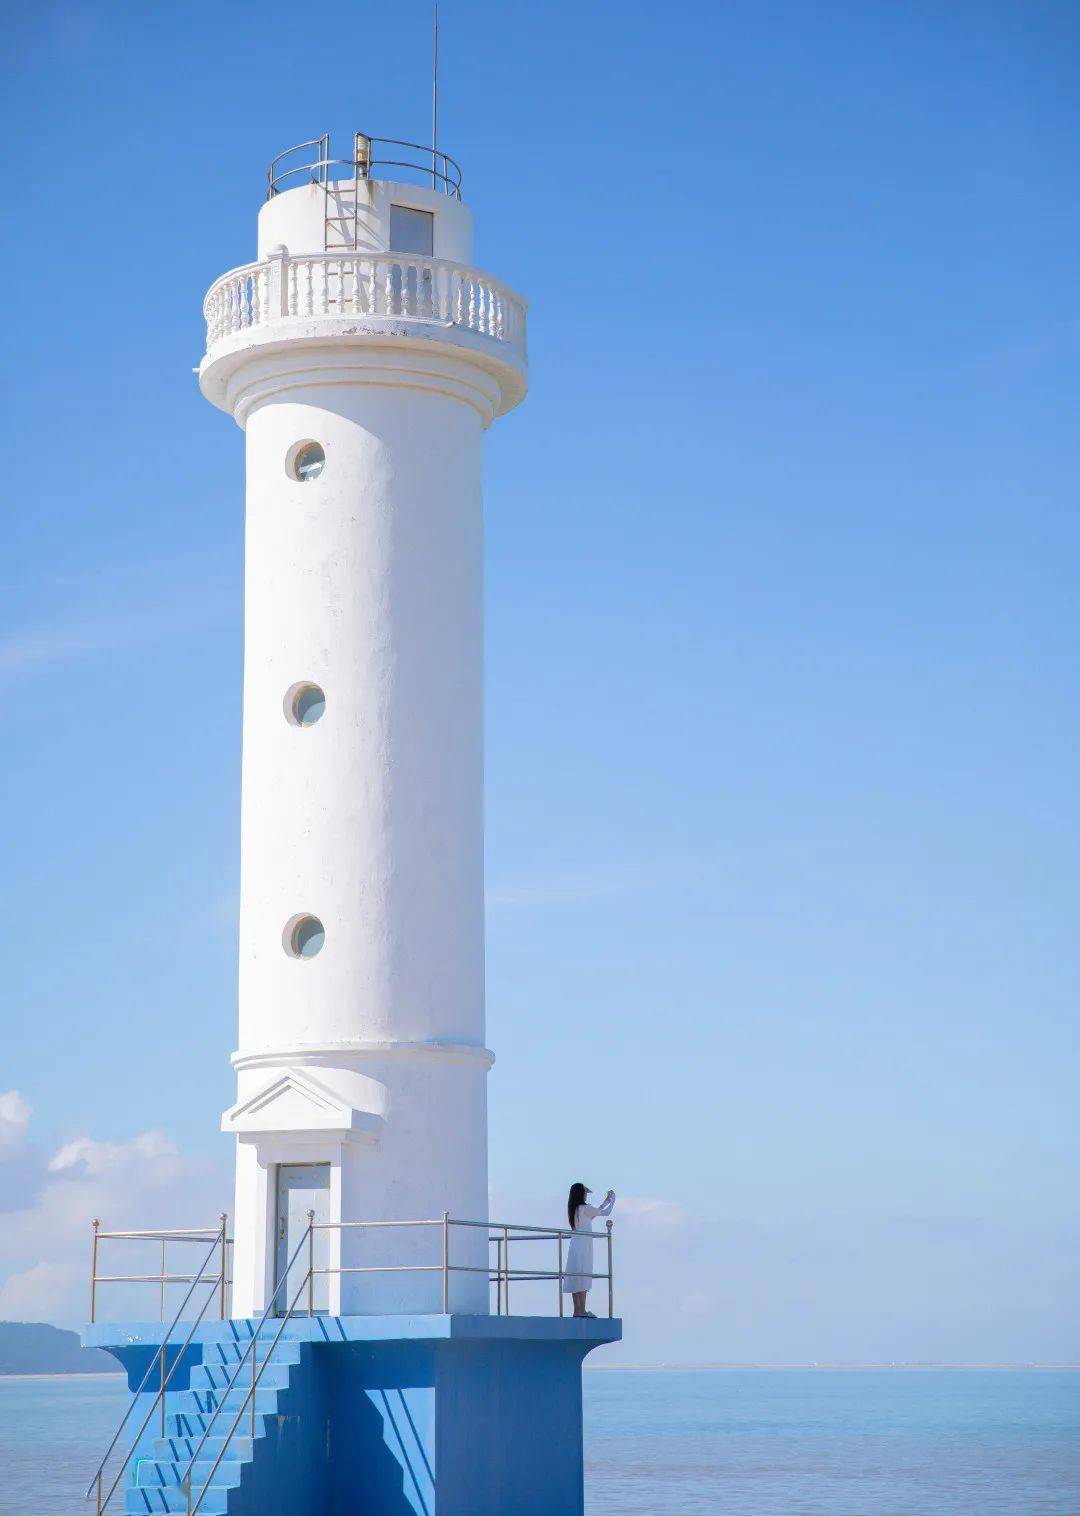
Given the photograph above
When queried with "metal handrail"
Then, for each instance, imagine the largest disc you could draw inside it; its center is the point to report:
(162, 1355)
(444, 171)
(185, 1478)
(166, 1236)
(503, 1275)
(193, 1509)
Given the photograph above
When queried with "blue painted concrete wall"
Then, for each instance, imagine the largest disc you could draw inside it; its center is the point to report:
(405, 1416)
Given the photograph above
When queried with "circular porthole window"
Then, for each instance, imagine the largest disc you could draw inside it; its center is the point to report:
(304, 936)
(306, 461)
(304, 704)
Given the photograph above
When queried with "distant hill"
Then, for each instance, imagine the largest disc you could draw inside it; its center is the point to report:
(31, 1347)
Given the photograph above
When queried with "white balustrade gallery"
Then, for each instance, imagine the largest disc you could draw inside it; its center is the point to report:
(386, 285)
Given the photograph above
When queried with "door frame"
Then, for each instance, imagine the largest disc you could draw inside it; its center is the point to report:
(281, 1305)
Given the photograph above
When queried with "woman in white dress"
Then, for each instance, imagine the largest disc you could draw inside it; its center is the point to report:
(579, 1255)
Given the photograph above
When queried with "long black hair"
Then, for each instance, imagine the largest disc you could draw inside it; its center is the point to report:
(576, 1198)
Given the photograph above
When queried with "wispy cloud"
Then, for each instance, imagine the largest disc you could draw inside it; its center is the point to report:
(77, 616)
(575, 886)
(25, 649)
(644, 1210)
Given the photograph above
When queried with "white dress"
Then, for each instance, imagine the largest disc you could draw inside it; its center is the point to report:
(578, 1264)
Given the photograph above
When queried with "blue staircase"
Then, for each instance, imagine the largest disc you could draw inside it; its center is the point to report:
(157, 1485)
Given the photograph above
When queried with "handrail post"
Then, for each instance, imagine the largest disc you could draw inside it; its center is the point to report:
(161, 1394)
(161, 1292)
(95, 1227)
(446, 1263)
(559, 1282)
(224, 1260)
(254, 1381)
(311, 1264)
(99, 1495)
(610, 1275)
(506, 1271)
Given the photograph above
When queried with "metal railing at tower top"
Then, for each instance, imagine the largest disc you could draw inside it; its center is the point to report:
(437, 168)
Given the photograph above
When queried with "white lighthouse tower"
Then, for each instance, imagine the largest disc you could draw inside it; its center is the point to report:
(364, 358)
(360, 1365)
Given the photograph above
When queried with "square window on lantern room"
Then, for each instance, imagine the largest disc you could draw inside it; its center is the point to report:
(412, 231)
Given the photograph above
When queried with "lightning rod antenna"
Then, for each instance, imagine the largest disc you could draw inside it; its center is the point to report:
(434, 102)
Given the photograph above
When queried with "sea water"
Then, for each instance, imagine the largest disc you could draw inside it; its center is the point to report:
(738, 1442)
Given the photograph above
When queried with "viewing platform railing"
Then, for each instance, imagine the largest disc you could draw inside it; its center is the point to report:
(500, 1271)
(287, 1302)
(166, 1276)
(432, 292)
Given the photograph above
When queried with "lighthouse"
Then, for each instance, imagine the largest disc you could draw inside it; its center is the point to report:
(346, 1343)
(364, 358)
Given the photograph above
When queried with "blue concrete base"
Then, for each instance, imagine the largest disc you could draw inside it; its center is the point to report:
(372, 1416)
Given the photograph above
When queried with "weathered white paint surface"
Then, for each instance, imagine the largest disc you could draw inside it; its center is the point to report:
(366, 582)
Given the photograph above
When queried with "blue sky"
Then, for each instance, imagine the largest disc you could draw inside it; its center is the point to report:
(782, 638)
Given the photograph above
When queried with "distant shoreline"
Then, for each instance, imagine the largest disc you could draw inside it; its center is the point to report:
(67, 1374)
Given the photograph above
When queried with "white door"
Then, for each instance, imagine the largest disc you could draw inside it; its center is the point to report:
(301, 1187)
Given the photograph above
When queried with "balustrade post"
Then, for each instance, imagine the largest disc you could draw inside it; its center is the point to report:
(560, 1276)
(94, 1225)
(277, 303)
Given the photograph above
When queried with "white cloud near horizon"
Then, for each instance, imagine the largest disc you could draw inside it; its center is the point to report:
(143, 1182)
(15, 1113)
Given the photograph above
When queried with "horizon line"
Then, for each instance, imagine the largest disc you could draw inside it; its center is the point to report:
(914, 1363)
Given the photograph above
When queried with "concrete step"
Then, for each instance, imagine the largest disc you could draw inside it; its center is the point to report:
(194, 1424)
(180, 1448)
(231, 1352)
(272, 1376)
(141, 1502)
(203, 1401)
(154, 1473)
